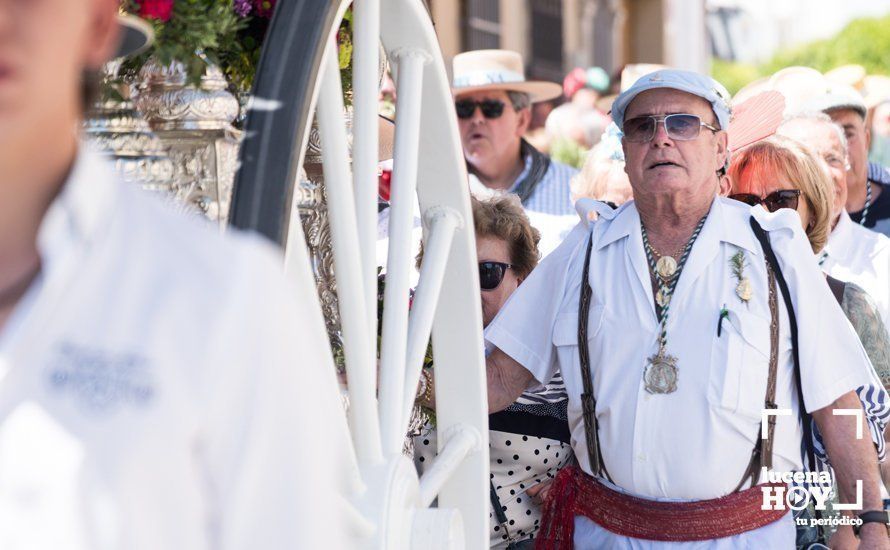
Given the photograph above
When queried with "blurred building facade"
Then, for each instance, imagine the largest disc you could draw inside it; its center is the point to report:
(556, 35)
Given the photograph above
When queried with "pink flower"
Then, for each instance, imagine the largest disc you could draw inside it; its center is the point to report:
(242, 7)
(156, 9)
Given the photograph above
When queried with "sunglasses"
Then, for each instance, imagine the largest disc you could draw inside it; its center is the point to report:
(491, 274)
(491, 108)
(783, 198)
(681, 127)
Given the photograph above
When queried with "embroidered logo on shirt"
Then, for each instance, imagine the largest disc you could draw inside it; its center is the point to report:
(100, 380)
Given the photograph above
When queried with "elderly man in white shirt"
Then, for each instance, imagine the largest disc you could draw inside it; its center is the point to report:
(688, 340)
(853, 253)
(161, 386)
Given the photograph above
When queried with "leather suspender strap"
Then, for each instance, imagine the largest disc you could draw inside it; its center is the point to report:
(762, 455)
(588, 401)
(805, 418)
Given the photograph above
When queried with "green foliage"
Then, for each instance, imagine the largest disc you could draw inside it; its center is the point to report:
(568, 151)
(201, 31)
(196, 27)
(864, 42)
(733, 75)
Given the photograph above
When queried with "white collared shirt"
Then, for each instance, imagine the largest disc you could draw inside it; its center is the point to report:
(694, 443)
(858, 255)
(157, 388)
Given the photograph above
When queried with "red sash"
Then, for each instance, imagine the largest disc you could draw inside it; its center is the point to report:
(574, 493)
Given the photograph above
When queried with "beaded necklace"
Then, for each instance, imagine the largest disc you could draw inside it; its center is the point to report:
(867, 202)
(661, 372)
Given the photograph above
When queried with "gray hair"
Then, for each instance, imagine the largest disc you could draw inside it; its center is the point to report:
(819, 116)
(520, 100)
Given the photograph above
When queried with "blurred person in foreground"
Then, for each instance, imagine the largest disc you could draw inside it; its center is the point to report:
(629, 310)
(778, 173)
(852, 253)
(162, 385)
(529, 440)
(867, 202)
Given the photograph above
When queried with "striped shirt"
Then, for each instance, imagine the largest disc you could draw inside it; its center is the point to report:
(553, 194)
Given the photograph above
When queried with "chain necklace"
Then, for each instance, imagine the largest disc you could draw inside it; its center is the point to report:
(661, 373)
(867, 202)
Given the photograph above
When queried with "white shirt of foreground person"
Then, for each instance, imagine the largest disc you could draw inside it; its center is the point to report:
(158, 388)
(858, 255)
(695, 443)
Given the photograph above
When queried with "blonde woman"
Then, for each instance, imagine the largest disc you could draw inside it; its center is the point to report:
(782, 173)
(603, 177)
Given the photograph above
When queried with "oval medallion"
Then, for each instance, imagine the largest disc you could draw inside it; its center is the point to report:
(666, 267)
(662, 298)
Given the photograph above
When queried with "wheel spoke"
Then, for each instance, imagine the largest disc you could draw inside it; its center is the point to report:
(366, 62)
(347, 264)
(398, 266)
(461, 442)
(442, 222)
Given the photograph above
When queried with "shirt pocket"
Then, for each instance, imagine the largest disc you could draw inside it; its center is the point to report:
(740, 364)
(565, 329)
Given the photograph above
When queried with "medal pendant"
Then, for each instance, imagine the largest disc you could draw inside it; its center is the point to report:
(666, 266)
(661, 373)
(662, 298)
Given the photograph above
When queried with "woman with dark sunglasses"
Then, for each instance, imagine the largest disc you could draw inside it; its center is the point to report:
(529, 440)
(780, 172)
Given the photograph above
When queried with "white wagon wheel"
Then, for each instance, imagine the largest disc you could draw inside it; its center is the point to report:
(298, 73)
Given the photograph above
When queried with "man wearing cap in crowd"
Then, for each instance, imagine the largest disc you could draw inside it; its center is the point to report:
(493, 100)
(867, 202)
(853, 254)
(664, 315)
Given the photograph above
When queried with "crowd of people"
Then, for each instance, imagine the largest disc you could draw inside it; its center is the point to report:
(626, 400)
(670, 331)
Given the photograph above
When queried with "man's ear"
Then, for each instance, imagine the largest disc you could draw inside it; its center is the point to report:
(104, 33)
(722, 149)
(524, 119)
(868, 138)
(724, 185)
(624, 152)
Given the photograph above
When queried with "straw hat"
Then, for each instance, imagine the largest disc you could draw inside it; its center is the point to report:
(851, 75)
(876, 89)
(750, 90)
(799, 85)
(481, 70)
(136, 35)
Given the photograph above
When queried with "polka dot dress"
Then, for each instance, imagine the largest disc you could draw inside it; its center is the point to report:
(518, 462)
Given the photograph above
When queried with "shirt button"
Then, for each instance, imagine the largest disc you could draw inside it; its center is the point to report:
(641, 457)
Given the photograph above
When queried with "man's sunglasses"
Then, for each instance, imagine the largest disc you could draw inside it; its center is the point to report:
(681, 127)
(491, 274)
(491, 108)
(783, 198)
